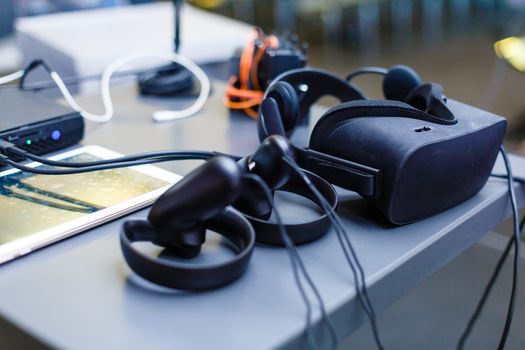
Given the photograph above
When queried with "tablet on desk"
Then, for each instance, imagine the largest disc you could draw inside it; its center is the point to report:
(37, 210)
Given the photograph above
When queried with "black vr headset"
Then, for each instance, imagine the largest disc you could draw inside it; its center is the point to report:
(411, 155)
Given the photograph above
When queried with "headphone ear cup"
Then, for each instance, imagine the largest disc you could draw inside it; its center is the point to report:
(284, 93)
(399, 81)
(279, 111)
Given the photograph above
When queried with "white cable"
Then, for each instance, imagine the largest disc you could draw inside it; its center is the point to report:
(11, 77)
(122, 61)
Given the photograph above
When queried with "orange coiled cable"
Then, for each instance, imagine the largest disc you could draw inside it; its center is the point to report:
(244, 91)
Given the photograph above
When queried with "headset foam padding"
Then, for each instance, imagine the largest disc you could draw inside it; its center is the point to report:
(279, 111)
(399, 82)
(288, 102)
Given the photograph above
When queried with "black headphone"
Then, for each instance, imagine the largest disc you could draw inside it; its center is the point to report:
(216, 196)
(289, 98)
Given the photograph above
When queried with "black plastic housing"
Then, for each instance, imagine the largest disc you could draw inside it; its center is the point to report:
(423, 167)
(29, 121)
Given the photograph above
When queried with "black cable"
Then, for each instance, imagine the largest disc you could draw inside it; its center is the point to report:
(519, 179)
(515, 240)
(165, 155)
(177, 7)
(44, 171)
(361, 288)
(50, 84)
(32, 66)
(155, 157)
(172, 79)
(311, 340)
(296, 260)
(366, 70)
(10, 150)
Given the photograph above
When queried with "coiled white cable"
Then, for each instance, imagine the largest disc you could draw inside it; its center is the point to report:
(122, 61)
(160, 116)
(11, 77)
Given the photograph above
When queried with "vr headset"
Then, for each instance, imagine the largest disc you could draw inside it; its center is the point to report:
(412, 155)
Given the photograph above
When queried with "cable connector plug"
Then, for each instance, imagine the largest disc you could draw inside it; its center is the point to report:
(2, 160)
(9, 149)
(5, 145)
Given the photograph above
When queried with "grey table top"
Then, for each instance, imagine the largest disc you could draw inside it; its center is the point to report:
(79, 293)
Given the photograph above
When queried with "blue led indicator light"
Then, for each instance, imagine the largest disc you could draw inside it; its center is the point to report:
(55, 135)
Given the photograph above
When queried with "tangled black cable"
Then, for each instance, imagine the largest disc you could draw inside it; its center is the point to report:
(7, 149)
(68, 81)
(165, 156)
(515, 240)
(349, 252)
(296, 261)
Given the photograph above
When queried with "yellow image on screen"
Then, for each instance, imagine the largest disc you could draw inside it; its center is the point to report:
(31, 203)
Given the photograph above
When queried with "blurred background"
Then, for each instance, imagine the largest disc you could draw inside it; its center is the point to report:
(451, 42)
(447, 41)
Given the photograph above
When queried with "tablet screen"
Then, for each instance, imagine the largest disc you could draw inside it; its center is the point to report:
(32, 203)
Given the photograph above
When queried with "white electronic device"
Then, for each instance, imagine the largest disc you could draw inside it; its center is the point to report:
(38, 210)
(84, 43)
